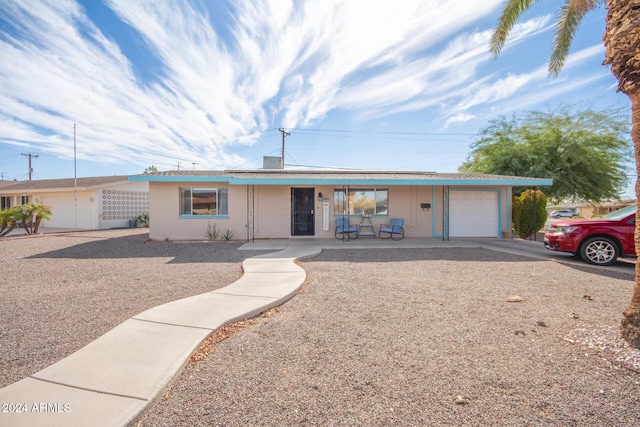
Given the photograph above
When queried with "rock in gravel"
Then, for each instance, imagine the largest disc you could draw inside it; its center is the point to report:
(515, 298)
(461, 400)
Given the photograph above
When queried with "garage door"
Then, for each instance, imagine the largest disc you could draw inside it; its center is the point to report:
(473, 214)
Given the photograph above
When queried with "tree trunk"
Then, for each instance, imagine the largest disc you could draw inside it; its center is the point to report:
(27, 223)
(8, 229)
(630, 327)
(36, 226)
(622, 52)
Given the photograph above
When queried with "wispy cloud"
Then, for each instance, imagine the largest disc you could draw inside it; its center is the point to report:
(516, 92)
(286, 64)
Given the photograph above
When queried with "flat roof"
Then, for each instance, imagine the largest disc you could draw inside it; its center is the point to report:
(62, 183)
(339, 177)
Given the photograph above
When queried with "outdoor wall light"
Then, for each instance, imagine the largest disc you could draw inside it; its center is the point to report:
(319, 197)
(425, 206)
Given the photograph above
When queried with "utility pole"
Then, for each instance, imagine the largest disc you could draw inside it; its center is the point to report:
(75, 181)
(178, 164)
(30, 168)
(284, 133)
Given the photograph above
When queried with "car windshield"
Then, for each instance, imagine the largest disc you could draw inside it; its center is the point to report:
(621, 213)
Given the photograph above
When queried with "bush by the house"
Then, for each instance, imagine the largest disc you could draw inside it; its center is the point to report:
(529, 212)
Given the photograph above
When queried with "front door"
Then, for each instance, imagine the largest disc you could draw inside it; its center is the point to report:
(302, 212)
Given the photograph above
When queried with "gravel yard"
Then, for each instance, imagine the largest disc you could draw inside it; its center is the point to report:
(419, 337)
(60, 292)
(376, 337)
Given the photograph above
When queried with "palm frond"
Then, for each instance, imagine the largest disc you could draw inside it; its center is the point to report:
(510, 14)
(569, 18)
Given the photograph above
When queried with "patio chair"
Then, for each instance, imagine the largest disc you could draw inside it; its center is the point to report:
(394, 228)
(344, 228)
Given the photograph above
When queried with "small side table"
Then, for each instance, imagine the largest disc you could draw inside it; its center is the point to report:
(365, 228)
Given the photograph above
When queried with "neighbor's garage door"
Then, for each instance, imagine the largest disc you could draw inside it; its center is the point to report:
(473, 214)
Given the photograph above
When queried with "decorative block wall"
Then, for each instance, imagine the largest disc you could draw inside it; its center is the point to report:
(123, 205)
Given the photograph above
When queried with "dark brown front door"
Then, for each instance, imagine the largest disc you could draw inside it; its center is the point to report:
(302, 212)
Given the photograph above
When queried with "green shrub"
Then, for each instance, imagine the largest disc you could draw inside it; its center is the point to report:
(212, 232)
(143, 220)
(228, 234)
(529, 212)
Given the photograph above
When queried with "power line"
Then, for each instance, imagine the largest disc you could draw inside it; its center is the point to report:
(30, 168)
(373, 132)
(284, 133)
(386, 137)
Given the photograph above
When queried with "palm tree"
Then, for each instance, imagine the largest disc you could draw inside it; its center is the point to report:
(32, 216)
(8, 221)
(622, 53)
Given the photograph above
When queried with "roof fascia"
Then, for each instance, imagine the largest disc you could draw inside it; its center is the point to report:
(340, 181)
(179, 178)
(450, 182)
(61, 189)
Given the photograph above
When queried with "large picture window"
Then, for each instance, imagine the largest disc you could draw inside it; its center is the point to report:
(204, 201)
(5, 202)
(361, 201)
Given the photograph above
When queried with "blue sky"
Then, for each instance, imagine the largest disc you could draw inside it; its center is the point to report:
(204, 84)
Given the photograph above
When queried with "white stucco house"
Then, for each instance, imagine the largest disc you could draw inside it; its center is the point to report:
(84, 203)
(278, 203)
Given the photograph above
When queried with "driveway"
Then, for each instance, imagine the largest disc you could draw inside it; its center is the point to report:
(536, 249)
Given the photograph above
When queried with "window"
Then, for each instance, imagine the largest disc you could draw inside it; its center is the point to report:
(5, 202)
(204, 201)
(361, 201)
(24, 200)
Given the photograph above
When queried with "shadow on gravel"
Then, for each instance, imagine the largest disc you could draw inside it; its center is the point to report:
(138, 247)
(417, 254)
(629, 268)
(459, 255)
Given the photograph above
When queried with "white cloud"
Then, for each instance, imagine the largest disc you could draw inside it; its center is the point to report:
(459, 118)
(289, 63)
(517, 92)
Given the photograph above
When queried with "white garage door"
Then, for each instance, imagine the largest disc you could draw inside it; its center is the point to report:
(473, 214)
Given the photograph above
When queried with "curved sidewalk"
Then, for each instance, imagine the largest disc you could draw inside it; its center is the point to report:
(112, 380)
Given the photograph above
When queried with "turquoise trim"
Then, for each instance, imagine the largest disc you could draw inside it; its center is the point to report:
(358, 216)
(500, 210)
(389, 182)
(446, 234)
(340, 181)
(204, 216)
(509, 214)
(434, 210)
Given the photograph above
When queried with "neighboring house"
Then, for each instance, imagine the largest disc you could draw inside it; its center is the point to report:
(278, 203)
(86, 203)
(589, 211)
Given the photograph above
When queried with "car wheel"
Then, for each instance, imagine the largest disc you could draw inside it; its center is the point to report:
(557, 216)
(599, 251)
(573, 216)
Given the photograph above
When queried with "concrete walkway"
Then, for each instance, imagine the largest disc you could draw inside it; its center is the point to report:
(110, 381)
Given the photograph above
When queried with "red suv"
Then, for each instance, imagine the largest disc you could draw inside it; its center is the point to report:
(597, 241)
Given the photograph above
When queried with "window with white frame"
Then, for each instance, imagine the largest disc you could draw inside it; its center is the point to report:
(5, 202)
(24, 200)
(361, 201)
(204, 201)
